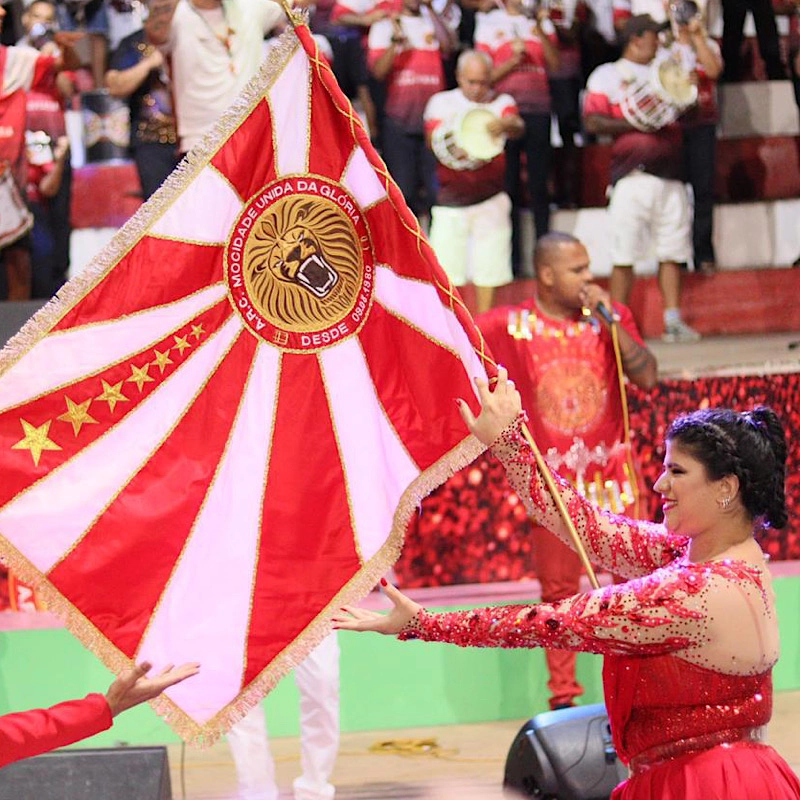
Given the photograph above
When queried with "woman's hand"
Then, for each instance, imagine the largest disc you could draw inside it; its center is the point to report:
(133, 687)
(499, 408)
(359, 619)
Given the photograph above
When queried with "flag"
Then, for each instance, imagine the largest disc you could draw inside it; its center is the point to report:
(217, 434)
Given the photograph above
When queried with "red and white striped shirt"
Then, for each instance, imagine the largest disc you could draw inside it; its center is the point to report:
(655, 152)
(495, 34)
(22, 68)
(417, 72)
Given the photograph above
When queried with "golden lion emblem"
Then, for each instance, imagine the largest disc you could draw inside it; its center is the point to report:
(303, 267)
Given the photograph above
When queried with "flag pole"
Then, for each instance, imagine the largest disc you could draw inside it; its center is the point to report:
(562, 509)
(297, 20)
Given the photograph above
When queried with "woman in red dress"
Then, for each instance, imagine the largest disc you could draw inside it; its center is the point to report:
(690, 640)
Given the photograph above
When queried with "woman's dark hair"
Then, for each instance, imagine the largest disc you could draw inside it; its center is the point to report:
(749, 445)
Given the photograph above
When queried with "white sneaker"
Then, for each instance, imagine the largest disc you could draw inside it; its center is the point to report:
(680, 333)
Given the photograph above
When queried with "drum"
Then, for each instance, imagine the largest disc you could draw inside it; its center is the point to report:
(654, 103)
(466, 143)
(106, 127)
(15, 217)
(39, 148)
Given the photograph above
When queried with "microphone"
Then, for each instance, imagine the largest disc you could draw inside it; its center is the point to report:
(604, 314)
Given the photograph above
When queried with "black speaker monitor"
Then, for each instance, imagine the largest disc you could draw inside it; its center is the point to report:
(122, 773)
(565, 755)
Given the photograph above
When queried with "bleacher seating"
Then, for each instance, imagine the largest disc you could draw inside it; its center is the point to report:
(757, 228)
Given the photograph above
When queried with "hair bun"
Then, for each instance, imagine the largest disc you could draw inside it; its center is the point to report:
(767, 421)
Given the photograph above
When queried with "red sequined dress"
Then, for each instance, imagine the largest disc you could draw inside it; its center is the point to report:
(689, 649)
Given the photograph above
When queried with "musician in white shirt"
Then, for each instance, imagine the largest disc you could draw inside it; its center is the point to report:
(649, 208)
(470, 221)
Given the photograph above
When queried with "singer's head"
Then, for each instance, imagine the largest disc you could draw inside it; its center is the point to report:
(563, 271)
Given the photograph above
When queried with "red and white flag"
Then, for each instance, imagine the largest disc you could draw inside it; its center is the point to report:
(217, 434)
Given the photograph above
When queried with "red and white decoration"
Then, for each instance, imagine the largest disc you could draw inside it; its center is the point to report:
(158, 440)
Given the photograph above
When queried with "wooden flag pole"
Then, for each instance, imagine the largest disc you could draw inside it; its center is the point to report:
(562, 509)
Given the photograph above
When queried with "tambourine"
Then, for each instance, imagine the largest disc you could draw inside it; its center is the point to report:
(466, 143)
(658, 101)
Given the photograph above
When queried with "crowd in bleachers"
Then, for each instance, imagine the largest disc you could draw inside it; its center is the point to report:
(390, 57)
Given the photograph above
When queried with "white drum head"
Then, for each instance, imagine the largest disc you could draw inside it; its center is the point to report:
(676, 84)
(474, 138)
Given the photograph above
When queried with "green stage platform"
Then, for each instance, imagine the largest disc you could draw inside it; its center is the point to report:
(385, 683)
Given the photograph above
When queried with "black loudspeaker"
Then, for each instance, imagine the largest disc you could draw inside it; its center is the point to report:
(565, 755)
(14, 315)
(122, 773)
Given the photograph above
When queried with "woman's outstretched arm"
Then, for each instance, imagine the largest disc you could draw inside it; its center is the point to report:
(626, 547)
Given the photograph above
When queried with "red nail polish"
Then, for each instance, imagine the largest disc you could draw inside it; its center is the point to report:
(384, 582)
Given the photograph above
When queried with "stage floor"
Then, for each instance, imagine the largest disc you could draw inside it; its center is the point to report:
(464, 761)
(729, 355)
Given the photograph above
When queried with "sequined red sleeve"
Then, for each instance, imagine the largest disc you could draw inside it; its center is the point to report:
(672, 609)
(629, 548)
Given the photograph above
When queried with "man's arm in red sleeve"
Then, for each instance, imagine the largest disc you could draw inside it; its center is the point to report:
(600, 116)
(30, 733)
(43, 71)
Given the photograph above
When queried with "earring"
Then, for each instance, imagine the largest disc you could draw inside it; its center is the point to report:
(724, 503)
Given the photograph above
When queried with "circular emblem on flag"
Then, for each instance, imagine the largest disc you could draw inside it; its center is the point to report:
(570, 397)
(299, 264)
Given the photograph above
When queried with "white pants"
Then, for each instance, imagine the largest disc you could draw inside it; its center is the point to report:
(649, 215)
(317, 679)
(473, 243)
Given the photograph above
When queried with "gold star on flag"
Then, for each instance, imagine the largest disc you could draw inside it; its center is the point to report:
(181, 343)
(35, 440)
(139, 375)
(78, 414)
(197, 331)
(112, 395)
(162, 359)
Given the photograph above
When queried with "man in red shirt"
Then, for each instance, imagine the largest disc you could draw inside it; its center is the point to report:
(523, 50)
(406, 52)
(559, 350)
(49, 176)
(22, 69)
(649, 207)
